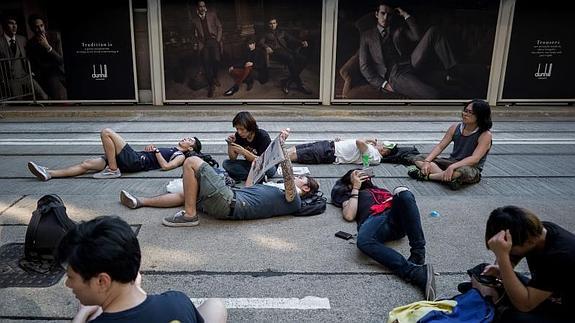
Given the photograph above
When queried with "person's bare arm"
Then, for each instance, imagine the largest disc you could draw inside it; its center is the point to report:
(524, 298)
(239, 150)
(438, 149)
(483, 145)
(361, 145)
(349, 207)
(167, 165)
(287, 170)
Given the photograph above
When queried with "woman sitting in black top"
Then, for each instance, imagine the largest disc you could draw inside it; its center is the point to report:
(250, 142)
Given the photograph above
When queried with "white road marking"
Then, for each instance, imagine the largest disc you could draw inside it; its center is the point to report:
(96, 142)
(306, 303)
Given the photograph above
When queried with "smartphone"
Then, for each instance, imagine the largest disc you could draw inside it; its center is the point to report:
(486, 280)
(368, 172)
(343, 235)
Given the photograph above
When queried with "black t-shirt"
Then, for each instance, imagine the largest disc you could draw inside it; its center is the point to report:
(553, 268)
(258, 145)
(163, 308)
(368, 198)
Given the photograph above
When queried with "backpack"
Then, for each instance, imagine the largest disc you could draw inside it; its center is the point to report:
(312, 205)
(48, 225)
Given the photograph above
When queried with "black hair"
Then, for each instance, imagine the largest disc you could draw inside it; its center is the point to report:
(313, 186)
(246, 120)
(482, 112)
(5, 19)
(106, 244)
(197, 145)
(346, 180)
(32, 19)
(270, 18)
(521, 223)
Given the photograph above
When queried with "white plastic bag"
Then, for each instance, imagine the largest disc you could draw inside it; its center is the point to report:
(175, 186)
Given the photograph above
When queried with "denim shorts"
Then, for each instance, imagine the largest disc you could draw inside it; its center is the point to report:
(319, 152)
(214, 197)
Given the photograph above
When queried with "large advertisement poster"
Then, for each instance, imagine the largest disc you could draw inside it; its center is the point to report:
(414, 50)
(540, 63)
(241, 50)
(78, 50)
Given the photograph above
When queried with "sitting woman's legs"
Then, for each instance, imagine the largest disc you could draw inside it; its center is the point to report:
(238, 169)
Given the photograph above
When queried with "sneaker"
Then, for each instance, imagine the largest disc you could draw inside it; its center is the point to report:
(400, 189)
(417, 256)
(455, 184)
(40, 172)
(129, 200)
(430, 288)
(424, 278)
(180, 220)
(415, 173)
(107, 173)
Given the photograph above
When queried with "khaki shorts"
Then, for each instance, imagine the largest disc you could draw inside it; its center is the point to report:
(469, 174)
(214, 197)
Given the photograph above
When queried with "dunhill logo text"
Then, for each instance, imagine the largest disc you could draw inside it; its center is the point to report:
(542, 75)
(99, 72)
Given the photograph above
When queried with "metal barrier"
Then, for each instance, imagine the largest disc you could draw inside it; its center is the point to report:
(16, 80)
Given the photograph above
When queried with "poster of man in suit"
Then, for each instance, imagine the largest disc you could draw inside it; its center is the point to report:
(84, 56)
(414, 50)
(241, 50)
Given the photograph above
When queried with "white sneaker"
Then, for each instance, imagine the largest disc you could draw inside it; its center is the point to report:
(400, 189)
(129, 200)
(40, 172)
(108, 173)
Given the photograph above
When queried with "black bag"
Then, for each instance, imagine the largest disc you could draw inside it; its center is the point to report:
(207, 158)
(48, 225)
(312, 205)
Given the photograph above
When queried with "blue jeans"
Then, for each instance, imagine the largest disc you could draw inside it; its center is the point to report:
(239, 169)
(402, 219)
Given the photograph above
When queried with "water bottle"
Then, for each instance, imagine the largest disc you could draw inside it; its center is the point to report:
(434, 214)
(365, 160)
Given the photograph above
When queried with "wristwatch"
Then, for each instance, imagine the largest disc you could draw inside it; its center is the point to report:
(156, 151)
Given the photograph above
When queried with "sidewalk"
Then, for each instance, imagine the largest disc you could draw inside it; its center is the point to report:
(272, 112)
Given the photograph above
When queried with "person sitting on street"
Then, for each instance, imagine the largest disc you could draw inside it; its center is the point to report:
(382, 217)
(248, 141)
(339, 151)
(120, 157)
(472, 141)
(206, 190)
(513, 233)
(102, 259)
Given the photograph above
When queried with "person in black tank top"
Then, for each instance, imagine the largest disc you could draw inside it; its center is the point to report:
(120, 157)
(472, 141)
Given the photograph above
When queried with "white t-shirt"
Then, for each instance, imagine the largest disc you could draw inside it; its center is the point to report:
(281, 186)
(346, 152)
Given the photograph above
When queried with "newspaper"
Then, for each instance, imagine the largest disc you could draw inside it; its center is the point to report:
(273, 155)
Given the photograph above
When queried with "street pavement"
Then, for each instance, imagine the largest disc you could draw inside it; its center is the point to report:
(284, 269)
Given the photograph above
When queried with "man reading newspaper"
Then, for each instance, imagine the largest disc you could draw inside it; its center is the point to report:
(206, 191)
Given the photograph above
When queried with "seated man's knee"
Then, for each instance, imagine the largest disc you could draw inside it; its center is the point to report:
(193, 163)
(107, 132)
